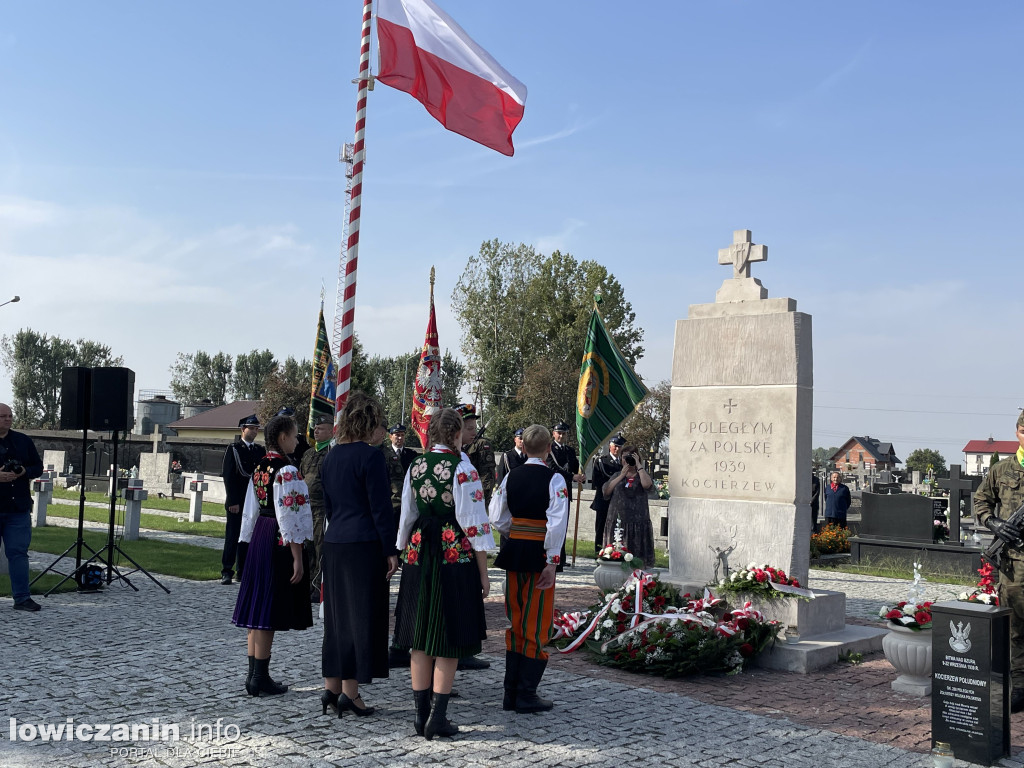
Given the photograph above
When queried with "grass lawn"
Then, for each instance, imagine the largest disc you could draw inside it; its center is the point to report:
(156, 522)
(41, 586)
(893, 569)
(154, 502)
(169, 558)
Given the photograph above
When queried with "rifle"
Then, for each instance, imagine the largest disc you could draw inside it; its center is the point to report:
(995, 553)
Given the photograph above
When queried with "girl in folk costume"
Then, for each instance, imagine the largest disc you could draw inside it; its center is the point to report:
(276, 520)
(532, 507)
(444, 537)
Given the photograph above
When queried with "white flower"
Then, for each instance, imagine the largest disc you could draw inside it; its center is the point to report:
(909, 609)
(721, 582)
(627, 557)
(446, 497)
(750, 577)
(734, 576)
(608, 623)
(609, 597)
(442, 471)
(885, 610)
(964, 596)
(597, 635)
(418, 468)
(752, 566)
(616, 606)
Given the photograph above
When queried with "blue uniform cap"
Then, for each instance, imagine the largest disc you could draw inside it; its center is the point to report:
(560, 427)
(248, 421)
(519, 432)
(618, 440)
(286, 411)
(397, 429)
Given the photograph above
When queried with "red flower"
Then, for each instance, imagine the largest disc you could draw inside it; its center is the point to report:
(287, 476)
(466, 545)
(261, 494)
(462, 477)
(922, 617)
(451, 555)
(556, 559)
(474, 476)
(746, 650)
(300, 499)
(415, 538)
(727, 616)
(448, 535)
(412, 556)
(478, 495)
(472, 531)
(895, 613)
(742, 624)
(288, 500)
(794, 583)
(761, 576)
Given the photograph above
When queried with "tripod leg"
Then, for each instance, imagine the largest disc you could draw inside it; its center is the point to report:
(140, 568)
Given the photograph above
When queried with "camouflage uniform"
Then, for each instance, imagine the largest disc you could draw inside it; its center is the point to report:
(481, 454)
(1004, 486)
(310, 465)
(397, 475)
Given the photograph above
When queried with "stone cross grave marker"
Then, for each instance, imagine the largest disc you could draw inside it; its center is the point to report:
(195, 497)
(134, 495)
(42, 492)
(960, 487)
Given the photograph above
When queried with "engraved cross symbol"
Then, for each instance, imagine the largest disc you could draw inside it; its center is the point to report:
(741, 253)
(730, 405)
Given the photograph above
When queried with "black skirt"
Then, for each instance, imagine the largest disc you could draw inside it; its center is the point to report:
(355, 611)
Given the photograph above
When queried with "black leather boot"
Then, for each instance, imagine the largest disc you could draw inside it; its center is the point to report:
(530, 673)
(248, 675)
(422, 699)
(512, 658)
(260, 681)
(439, 724)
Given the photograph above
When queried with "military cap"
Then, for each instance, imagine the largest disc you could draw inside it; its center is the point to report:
(323, 418)
(467, 411)
(1020, 419)
(398, 429)
(248, 421)
(618, 440)
(286, 411)
(519, 432)
(561, 427)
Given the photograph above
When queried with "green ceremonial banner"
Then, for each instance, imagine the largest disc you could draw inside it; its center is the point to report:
(609, 390)
(321, 400)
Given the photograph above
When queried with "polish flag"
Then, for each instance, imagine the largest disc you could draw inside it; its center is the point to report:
(426, 54)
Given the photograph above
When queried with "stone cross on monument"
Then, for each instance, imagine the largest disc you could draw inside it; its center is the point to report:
(741, 253)
(959, 487)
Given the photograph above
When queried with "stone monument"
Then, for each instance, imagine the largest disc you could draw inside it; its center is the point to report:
(740, 436)
(740, 454)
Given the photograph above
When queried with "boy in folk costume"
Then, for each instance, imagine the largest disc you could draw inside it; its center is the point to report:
(531, 506)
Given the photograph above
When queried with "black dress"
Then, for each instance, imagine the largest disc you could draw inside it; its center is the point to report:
(628, 508)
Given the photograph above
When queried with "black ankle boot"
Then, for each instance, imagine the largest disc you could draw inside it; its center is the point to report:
(248, 675)
(439, 724)
(260, 681)
(512, 658)
(530, 673)
(422, 699)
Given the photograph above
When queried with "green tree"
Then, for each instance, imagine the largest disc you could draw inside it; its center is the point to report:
(994, 459)
(288, 387)
(518, 308)
(201, 376)
(821, 457)
(36, 363)
(923, 459)
(251, 371)
(647, 428)
(546, 396)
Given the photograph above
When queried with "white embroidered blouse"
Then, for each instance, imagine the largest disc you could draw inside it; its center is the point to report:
(291, 507)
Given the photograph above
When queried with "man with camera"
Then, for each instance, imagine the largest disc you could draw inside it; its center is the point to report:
(1003, 488)
(19, 466)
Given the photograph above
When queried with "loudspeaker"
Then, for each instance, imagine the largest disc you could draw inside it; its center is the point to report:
(74, 397)
(110, 401)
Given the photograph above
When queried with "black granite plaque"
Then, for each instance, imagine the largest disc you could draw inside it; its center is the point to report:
(899, 517)
(971, 680)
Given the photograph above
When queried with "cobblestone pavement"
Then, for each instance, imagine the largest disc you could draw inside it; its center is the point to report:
(126, 657)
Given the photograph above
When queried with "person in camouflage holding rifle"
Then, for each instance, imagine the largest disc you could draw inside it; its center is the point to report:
(1003, 487)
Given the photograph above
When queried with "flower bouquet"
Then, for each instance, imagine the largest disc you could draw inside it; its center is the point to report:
(616, 552)
(985, 592)
(940, 531)
(759, 580)
(915, 616)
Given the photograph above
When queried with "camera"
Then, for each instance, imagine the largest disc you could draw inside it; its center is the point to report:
(11, 465)
(631, 459)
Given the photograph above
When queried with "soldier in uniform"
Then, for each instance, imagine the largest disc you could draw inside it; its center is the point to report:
(398, 459)
(605, 468)
(512, 459)
(240, 460)
(564, 461)
(478, 449)
(312, 460)
(1003, 487)
(480, 453)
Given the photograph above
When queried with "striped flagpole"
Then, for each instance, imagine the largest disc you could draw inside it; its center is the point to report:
(352, 246)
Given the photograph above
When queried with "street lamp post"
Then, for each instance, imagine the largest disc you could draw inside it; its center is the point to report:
(13, 300)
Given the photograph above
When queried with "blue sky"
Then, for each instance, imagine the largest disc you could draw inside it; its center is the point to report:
(169, 182)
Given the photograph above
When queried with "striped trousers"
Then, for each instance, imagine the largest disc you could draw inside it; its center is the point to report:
(531, 612)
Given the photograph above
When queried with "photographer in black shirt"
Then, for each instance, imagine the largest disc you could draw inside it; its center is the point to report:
(19, 466)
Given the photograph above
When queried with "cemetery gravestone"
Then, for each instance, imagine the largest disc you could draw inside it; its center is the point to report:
(56, 459)
(195, 499)
(42, 490)
(971, 680)
(134, 495)
(961, 490)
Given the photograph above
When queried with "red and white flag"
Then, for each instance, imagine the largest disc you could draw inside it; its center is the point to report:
(426, 54)
(426, 398)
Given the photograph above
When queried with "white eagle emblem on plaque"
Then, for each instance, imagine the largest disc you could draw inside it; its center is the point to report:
(959, 642)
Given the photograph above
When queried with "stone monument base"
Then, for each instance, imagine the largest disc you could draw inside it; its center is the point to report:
(819, 651)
